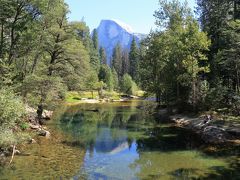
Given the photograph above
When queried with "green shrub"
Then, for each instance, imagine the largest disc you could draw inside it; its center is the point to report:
(11, 109)
(128, 85)
(24, 125)
(7, 137)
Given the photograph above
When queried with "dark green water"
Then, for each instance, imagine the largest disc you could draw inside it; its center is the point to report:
(119, 142)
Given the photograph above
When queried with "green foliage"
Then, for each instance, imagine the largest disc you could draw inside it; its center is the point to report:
(92, 82)
(125, 62)
(12, 112)
(94, 52)
(11, 109)
(134, 60)
(8, 138)
(105, 75)
(43, 90)
(95, 39)
(94, 60)
(175, 60)
(220, 19)
(24, 125)
(115, 79)
(117, 60)
(103, 56)
(128, 85)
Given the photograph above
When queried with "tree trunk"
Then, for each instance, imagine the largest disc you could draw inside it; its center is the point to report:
(39, 113)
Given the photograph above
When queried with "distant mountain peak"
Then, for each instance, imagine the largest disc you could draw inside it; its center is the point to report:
(125, 26)
(111, 32)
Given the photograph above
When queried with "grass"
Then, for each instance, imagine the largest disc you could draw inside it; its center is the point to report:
(140, 93)
(73, 96)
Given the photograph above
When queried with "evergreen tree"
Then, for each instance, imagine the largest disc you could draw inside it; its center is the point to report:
(134, 59)
(125, 62)
(103, 56)
(115, 79)
(94, 59)
(105, 75)
(175, 61)
(95, 39)
(219, 19)
(117, 60)
(94, 52)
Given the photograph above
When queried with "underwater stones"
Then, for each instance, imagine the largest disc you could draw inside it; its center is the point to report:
(44, 133)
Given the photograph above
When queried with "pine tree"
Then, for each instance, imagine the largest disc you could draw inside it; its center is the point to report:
(94, 52)
(175, 62)
(103, 56)
(134, 60)
(125, 62)
(105, 75)
(95, 39)
(115, 79)
(117, 60)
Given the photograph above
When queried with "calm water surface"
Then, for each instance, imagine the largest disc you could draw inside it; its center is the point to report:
(118, 142)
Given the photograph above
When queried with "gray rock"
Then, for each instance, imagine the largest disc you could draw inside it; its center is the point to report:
(44, 133)
(47, 114)
(215, 135)
(32, 141)
(32, 126)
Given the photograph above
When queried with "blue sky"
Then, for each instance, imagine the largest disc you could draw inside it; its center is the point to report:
(136, 13)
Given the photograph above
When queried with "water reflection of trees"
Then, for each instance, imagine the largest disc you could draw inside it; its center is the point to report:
(99, 127)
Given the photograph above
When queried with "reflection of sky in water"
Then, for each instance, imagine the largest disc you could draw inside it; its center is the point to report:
(122, 144)
(106, 143)
(118, 143)
(111, 157)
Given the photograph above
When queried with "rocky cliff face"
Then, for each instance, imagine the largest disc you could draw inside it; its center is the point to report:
(111, 32)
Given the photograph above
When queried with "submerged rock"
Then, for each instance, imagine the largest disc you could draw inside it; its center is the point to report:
(44, 133)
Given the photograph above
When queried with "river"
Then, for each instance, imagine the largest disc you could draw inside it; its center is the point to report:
(118, 141)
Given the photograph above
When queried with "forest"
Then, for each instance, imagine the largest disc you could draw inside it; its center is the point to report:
(190, 62)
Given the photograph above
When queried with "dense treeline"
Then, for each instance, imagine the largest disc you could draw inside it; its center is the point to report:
(194, 63)
(188, 63)
(43, 55)
(221, 21)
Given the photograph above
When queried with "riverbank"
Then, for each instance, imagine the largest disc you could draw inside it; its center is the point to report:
(217, 130)
(74, 97)
(26, 132)
(93, 141)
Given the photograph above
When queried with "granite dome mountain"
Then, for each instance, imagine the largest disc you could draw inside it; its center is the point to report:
(111, 32)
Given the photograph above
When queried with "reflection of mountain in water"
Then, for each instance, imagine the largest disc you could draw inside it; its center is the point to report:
(101, 131)
(106, 142)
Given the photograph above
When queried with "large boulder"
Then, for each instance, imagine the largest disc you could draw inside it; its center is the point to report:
(214, 135)
(47, 114)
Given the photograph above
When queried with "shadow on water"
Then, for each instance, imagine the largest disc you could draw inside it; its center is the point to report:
(218, 172)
